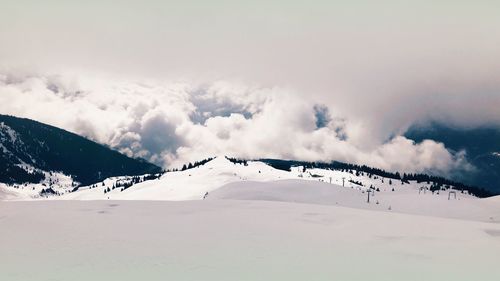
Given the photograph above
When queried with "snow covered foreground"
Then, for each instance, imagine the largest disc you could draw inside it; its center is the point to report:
(237, 240)
(256, 223)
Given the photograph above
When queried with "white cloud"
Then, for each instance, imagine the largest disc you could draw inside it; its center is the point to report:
(251, 73)
(154, 120)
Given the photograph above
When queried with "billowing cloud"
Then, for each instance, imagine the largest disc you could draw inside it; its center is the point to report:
(154, 120)
(174, 81)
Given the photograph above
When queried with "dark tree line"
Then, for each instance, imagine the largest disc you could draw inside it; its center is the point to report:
(356, 182)
(196, 164)
(12, 174)
(441, 182)
(237, 161)
(124, 184)
(48, 192)
(286, 165)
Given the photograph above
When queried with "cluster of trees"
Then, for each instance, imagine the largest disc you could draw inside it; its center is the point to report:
(152, 177)
(123, 184)
(196, 164)
(376, 189)
(286, 165)
(435, 188)
(440, 183)
(48, 192)
(356, 182)
(126, 183)
(13, 174)
(237, 161)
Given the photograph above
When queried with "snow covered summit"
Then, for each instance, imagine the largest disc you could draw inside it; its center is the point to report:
(225, 179)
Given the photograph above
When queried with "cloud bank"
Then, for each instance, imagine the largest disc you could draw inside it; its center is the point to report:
(175, 81)
(172, 123)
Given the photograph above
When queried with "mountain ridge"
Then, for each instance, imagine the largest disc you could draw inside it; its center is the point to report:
(36, 148)
(33, 152)
(481, 144)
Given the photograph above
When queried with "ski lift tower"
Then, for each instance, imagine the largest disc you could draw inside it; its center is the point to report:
(452, 192)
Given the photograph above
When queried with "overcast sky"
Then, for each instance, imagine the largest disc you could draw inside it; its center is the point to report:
(175, 81)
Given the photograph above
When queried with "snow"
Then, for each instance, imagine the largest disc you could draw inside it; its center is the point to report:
(257, 181)
(58, 181)
(404, 200)
(237, 240)
(257, 223)
(7, 133)
(190, 184)
(7, 193)
(222, 179)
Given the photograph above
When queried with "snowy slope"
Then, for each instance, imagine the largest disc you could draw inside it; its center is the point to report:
(58, 182)
(405, 199)
(257, 223)
(227, 240)
(222, 179)
(190, 184)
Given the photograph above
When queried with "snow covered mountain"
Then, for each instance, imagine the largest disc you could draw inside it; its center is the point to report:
(292, 220)
(40, 157)
(40, 161)
(227, 178)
